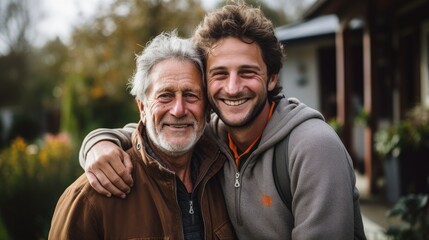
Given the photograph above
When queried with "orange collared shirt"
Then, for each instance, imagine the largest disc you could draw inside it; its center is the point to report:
(243, 156)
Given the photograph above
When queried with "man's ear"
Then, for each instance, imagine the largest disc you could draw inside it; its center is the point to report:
(141, 109)
(272, 82)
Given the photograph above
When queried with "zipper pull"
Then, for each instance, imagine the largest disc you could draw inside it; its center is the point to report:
(191, 208)
(237, 182)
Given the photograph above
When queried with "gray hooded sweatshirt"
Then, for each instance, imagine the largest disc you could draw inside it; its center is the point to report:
(325, 201)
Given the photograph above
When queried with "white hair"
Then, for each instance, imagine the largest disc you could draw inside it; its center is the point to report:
(162, 47)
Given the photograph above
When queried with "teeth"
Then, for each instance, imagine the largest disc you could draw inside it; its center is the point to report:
(234, 103)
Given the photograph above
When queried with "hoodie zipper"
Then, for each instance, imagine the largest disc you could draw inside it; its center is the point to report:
(237, 185)
(237, 179)
(237, 197)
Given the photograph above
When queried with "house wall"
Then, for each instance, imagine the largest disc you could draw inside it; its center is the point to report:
(300, 73)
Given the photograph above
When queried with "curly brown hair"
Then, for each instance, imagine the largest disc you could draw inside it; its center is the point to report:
(248, 24)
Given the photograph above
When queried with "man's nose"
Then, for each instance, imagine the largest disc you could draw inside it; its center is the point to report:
(179, 108)
(233, 86)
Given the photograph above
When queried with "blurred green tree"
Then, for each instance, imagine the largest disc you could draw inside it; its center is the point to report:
(16, 26)
(102, 59)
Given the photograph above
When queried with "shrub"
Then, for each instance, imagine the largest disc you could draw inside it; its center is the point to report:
(33, 176)
(411, 134)
(413, 210)
(406, 146)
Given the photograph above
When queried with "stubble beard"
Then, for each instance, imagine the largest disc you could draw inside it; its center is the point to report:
(248, 119)
(174, 150)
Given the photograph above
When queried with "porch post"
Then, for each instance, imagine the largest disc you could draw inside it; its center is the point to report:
(368, 92)
(344, 94)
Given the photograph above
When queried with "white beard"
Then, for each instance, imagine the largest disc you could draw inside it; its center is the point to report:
(169, 148)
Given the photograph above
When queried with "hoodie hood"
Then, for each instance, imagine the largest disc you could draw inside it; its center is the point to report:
(288, 114)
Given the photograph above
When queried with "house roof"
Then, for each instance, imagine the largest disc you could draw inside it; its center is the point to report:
(325, 7)
(315, 27)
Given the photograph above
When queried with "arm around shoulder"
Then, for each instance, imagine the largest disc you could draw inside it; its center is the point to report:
(119, 136)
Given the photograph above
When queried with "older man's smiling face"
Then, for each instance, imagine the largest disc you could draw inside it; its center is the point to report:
(174, 107)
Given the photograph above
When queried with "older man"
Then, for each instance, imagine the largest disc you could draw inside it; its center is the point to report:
(176, 194)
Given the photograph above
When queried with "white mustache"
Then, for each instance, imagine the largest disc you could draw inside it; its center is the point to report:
(179, 124)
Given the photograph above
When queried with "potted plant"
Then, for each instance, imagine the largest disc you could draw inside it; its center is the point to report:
(404, 150)
(413, 211)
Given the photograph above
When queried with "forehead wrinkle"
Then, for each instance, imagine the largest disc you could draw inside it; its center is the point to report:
(193, 89)
(181, 87)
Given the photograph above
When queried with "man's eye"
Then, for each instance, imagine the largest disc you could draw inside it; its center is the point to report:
(190, 97)
(219, 75)
(165, 97)
(248, 74)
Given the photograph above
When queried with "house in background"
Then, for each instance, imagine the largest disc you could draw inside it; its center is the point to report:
(355, 58)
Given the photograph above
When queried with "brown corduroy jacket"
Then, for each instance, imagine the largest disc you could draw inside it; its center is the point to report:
(151, 210)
